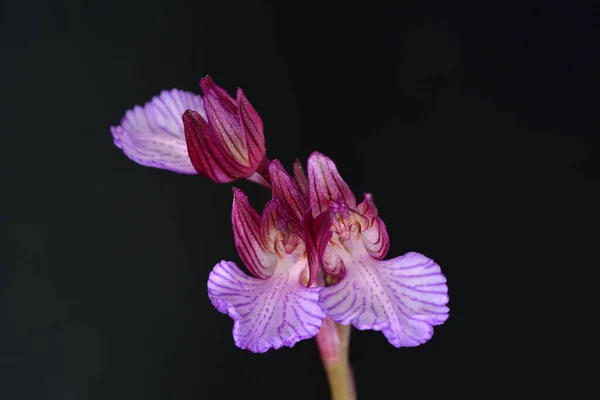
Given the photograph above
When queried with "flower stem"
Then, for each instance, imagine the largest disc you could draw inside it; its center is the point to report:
(341, 384)
(334, 343)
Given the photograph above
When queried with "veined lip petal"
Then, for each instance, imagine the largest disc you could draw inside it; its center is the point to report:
(267, 313)
(153, 135)
(326, 185)
(404, 297)
(246, 232)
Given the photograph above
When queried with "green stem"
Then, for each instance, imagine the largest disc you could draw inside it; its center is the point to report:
(337, 366)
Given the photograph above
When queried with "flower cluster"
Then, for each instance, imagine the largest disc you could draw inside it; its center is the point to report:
(313, 253)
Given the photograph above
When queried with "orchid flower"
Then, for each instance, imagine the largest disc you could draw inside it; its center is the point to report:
(171, 132)
(315, 259)
(272, 308)
(403, 297)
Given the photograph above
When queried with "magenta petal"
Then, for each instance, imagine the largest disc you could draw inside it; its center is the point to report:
(246, 233)
(207, 152)
(374, 233)
(252, 129)
(222, 114)
(320, 252)
(267, 313)
(404, 297)
(284, 188)
(326, 184)
(227, 143)
(300, 179)
(153, 135)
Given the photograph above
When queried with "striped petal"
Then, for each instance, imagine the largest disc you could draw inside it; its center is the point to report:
(284, 188)
(246, 232)
(227, 142)
(317, 234)
(374, 233)
(153, 135)
(267, 313)
(208, 153)
(252, 129)
(268, 224)
(326, 185)
(222, 113)
(404, 297)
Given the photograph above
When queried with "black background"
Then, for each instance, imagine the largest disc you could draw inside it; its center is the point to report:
(472, 123)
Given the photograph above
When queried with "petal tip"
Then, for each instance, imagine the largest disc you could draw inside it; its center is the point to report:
(276, 165)
(237, 191)
(206, 82)
(317, 154)
(239, 93)
(116, 132)
(238, 195)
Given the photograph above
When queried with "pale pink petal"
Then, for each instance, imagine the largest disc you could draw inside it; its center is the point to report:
(332, 263)
(153, 135)
(267, 313)
(404, 297)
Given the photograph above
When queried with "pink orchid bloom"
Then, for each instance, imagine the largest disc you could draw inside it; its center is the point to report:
(274, 308)
(171, 132)
(315, 258)
(403, 297)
